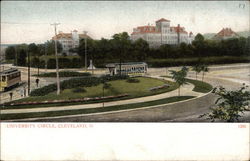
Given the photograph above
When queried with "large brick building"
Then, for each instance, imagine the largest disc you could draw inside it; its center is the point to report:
(162, 33)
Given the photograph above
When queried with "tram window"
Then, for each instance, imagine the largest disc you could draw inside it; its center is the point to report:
(3, 78)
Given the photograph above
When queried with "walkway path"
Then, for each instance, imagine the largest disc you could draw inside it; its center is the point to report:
(186, 90)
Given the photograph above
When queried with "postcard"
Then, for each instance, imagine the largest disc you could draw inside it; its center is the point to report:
(125, 80)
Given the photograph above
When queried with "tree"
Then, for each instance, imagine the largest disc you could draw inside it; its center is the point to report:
(229, 105)
(50, 47)
(199, 44)
(197, 69)
(141, 49)
(21, 59)
(121, 44)
(204, 68)
(180, 77)
(10, 53)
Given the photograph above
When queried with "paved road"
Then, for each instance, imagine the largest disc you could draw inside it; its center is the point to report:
(228, 76)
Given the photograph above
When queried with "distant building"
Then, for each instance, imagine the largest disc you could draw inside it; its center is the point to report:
(131, 68)
(69, 40)
(162, 33)
(225, 33)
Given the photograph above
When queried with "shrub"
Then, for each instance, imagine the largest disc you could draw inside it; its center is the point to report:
(79, 90)
(51, 64)
(74, 83)
(133, 80)
(64, 63)
(75, 63)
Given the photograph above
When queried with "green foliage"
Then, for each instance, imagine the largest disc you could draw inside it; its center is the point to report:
(193, 61)
(106, 85)
(64, 74)
(199, 86)
(75, 82)
(21, 60)
(197, 68)
(229, 105)
(180, 76)
(204, 68)
(133, 80)
(10, 53)
(79, 90)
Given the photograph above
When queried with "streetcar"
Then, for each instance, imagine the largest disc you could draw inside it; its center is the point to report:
(9, 78)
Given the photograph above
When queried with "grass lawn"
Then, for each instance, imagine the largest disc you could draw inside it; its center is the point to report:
(94, 110)
(199, 86)
(117, 87)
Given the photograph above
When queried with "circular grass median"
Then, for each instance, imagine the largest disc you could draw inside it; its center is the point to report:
(116, 87)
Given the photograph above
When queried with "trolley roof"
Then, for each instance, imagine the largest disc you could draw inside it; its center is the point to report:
(8, 71)
(129, 63)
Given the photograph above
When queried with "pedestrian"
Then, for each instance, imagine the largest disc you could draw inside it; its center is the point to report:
(11, 95)
(37, 82)
(24, 91)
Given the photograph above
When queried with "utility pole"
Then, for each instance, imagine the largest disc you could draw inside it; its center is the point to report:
(85, 32)
(28, 73)
(57, 70)
(46, 60)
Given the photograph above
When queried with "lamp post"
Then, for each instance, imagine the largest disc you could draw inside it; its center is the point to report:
(85, 33)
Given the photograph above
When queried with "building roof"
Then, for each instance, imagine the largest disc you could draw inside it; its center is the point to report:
(8, 71)
(175, 29)
(226, 32)
(145, 29)
(152, 29)
(62, 35)
(162, 19)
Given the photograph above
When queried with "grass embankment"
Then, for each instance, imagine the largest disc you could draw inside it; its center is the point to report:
(64, 74)
(93, 110)
(134, 90)
(199, 86)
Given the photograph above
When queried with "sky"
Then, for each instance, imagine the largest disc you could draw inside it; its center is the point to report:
(29, 21)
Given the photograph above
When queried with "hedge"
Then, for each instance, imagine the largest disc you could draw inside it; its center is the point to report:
(64, 74)
(76, 82)
(193, 61)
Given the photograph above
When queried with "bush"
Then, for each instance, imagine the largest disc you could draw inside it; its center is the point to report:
(74, 83)
(64, 74)
(133, 80)
(79, 90)
(51, 64)
(193, 61)
(64, 63)
(75, 63)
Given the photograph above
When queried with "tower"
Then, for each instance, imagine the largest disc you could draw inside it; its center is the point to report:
(163, 26)
(75, 38)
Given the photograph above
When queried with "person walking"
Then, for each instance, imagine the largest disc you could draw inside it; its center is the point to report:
(11, 95)
(37, 82)
(24, 91)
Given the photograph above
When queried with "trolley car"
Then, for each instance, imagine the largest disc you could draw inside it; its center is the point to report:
(9, 78)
